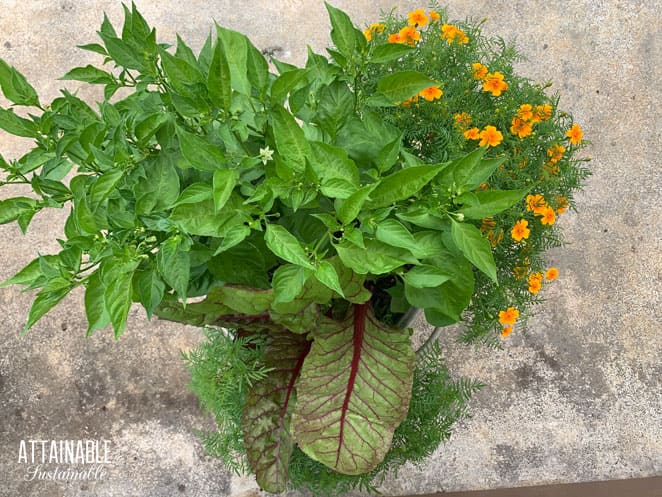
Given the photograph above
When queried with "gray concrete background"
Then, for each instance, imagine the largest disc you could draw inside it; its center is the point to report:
(578, 398)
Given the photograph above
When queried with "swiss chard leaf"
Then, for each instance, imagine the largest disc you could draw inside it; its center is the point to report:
(353, 391)
(268, 410)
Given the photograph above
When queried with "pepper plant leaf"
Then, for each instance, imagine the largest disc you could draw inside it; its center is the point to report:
(353, 392)
(290, 139)
(402, 184)
(286, 246)
(345, 36)
(400, 86)
(485, 204)
(475, 247)
(15, 87)
(218, 80)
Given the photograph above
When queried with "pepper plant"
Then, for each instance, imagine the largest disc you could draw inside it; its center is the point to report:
(289, 213)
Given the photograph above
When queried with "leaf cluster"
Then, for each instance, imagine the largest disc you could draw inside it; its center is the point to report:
(308, 206)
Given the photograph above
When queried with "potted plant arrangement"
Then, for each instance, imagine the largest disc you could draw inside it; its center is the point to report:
(300, 217)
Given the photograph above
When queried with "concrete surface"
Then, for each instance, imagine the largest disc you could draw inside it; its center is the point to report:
(576, 399)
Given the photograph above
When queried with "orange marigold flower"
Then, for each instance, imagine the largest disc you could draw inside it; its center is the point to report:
(509, 316)
(462, 119)
(396, 38)
(555, 153)
(472, 134)
(479, 70)
(434, 15)
(410, 35)
(452, 33)
(418, 18)
(495, 84)
(374, 28)
(520, 127)
(525, 112)
(535, 283)
(520, 230)
(535, 286)
(535, 203)
(551, 274)
(561, 204)
(506, 331)
(432, 93)
(490, 137)
(548, 216)
(575, 134)
(543, 112)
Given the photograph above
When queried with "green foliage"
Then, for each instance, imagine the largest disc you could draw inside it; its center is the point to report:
(223, 368)
(487, 188)
(308, 207)
(438, 402)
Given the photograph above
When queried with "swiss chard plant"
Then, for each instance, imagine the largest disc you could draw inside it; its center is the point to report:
(299, 215)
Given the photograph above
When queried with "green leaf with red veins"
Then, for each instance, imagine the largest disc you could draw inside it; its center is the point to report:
(233, 306)
(353, 392)
(268, 411)
(351, 283)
